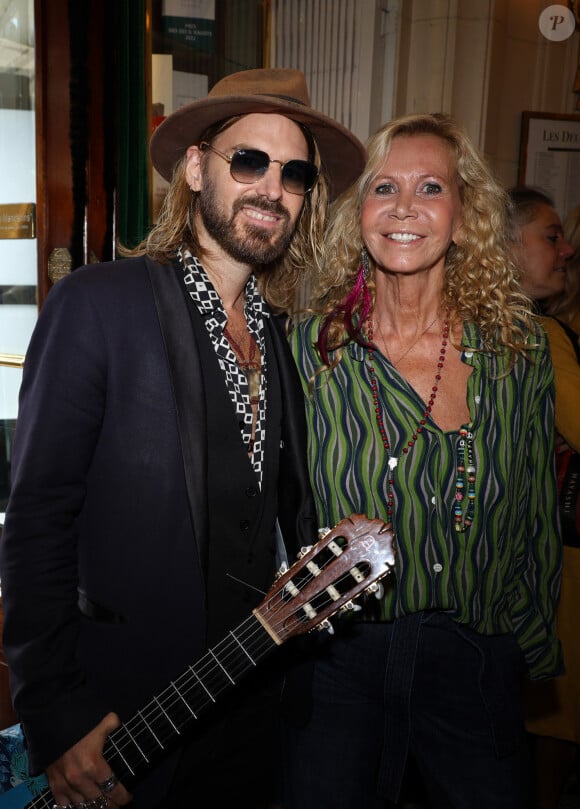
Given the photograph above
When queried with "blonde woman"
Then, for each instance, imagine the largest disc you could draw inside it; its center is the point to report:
(429, 396)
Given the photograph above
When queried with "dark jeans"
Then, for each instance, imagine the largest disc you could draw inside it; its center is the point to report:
(447, 697)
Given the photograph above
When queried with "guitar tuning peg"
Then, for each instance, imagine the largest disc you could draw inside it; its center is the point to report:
(326, 625)
(282, 569)
(376, 588)
(322, 532)
(350, 606)
(303, 551)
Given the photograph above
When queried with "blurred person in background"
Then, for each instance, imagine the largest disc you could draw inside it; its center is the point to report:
(545, 253)
(565, 306)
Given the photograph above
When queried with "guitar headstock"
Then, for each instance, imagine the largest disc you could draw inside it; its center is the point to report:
(347, 560)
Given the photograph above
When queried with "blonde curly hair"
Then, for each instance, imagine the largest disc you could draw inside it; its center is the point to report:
(279, 281)
(481, 283)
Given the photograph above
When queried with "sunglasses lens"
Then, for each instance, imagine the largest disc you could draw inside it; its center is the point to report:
(298, 176)
(248, 165)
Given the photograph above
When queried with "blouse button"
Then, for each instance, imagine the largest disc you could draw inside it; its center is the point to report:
(437, 567)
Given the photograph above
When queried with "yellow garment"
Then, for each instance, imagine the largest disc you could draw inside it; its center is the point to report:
(567, 378)
(553, 706)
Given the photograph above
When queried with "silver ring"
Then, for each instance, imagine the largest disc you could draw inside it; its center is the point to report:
(109, 784)
(95, 803)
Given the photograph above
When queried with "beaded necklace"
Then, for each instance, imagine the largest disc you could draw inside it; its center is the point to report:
(464, 444)
(464, 449)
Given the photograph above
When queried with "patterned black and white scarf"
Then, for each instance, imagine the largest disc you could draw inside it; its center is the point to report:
(210, 307)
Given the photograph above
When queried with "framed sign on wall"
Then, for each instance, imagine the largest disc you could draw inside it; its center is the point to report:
(550, 156)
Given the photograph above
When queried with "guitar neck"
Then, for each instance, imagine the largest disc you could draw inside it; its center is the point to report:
(141, 741)
(135, 745)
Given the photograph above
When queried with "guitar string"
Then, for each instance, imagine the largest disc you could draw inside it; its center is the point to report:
(192, 678)
(197, 676)
(171, 698)
(152, 712)
(185, 680)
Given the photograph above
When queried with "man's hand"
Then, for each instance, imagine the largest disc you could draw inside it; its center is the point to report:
(75, 777)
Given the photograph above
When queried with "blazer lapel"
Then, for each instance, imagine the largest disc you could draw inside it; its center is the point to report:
(185, 369)
(296, 511)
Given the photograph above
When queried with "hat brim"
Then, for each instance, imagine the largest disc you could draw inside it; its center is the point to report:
(343, 155)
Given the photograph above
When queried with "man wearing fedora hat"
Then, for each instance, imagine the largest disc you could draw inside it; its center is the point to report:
(159, 459)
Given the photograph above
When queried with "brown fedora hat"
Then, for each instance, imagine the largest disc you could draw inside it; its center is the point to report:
(272, 90)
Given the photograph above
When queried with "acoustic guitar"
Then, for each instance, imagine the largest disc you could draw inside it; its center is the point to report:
(344, 562)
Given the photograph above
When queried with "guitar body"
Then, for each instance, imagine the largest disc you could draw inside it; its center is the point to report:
(346, 561)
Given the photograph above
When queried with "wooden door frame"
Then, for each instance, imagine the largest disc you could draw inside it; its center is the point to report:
(79, 219)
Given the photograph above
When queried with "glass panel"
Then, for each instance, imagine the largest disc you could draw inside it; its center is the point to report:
(195, 43)
(18, 254)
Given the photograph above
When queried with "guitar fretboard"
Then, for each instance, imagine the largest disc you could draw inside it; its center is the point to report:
(137, 744)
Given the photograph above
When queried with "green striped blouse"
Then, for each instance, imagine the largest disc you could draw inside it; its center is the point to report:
(503, 573)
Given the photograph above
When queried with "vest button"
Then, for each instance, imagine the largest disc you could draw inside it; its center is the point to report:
(244, 525)
(251, 491)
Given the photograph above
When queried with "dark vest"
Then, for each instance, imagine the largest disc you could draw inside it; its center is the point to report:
(240, 564)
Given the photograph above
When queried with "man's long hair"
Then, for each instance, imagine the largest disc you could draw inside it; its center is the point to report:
(279, 281)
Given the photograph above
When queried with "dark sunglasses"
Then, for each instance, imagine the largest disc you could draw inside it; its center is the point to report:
(250, 165)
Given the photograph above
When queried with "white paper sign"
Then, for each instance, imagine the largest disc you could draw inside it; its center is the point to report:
(553, 158)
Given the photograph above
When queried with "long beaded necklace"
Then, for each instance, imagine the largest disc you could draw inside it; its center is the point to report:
(464, 444)
(464, 448)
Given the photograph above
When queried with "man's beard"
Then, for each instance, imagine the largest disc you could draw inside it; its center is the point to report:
(247, 244)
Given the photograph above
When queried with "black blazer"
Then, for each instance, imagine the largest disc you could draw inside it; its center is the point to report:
(108, 495)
